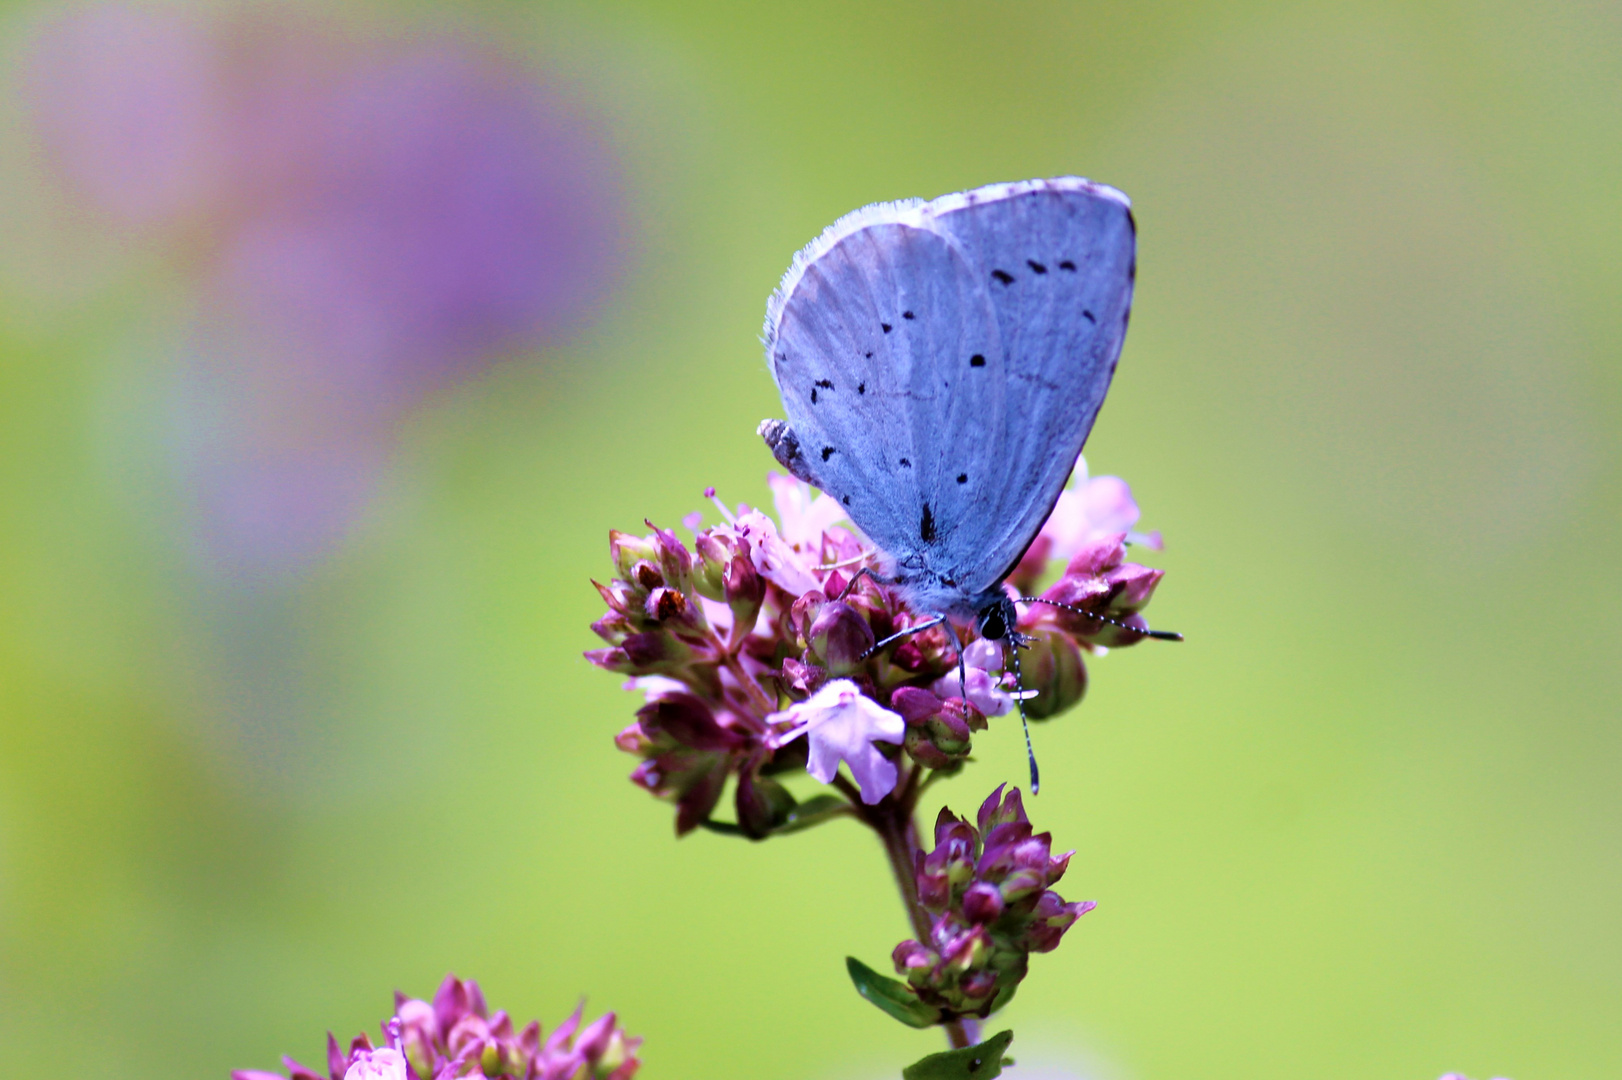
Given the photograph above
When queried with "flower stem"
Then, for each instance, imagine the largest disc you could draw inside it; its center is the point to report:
(892, 819)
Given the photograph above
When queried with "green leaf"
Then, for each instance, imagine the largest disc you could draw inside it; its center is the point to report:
(892, 996)
(971, 1063)
(813, 812)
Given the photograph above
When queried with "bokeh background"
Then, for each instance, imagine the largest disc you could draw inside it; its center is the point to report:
(331, 346)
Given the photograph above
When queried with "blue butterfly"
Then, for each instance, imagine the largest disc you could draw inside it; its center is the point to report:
(941, 364)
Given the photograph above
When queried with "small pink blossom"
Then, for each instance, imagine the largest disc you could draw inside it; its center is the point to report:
(774, 559)
(842, 725)
(805, 513)
(981, 678)
(384, 1063)
(1090, 509)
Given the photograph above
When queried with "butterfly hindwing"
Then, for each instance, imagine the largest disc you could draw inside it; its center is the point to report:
(1057, 258)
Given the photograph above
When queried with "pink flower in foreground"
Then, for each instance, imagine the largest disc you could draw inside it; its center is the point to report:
(456, 1037)
(842, 725)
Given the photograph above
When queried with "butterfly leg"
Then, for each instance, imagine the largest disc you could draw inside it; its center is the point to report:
(866, 571)
(908, 632)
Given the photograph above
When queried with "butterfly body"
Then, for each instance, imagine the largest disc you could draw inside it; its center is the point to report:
(941, 364)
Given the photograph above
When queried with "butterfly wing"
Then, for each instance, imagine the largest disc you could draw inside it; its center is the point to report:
(939, 385)
(1058, 259)
(858, 347)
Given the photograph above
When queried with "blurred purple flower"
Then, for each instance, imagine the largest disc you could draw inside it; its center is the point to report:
(124, 100)
(366, 220)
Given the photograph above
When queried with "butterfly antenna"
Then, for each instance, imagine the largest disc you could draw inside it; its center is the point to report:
(1019, 698)
(1158, 635)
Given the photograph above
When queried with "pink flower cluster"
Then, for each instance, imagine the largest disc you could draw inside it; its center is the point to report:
(989, 890)
(756, 657)
(455, 1037)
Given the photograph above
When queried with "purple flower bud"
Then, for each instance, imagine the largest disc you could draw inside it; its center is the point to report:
(965, 948)
(649, 651)
(840, 637)
(925, 752)
(804, 611)
(744, 590)
(675, 561)
(451, 1003)
(471, 1032)
(978, 984)
(762, 803)
(915, 705)
(965, 711)
(627, 550)
(801, 679)
(1032, 853)
(1097, 558)
(646, 576)
(613, 628)
(949, 731)
(1058, 865)
(418, 1033)
(911, 956)
(934, 887)
(686, 719)
(997, 810)
(615, 660)
(697, 801)
(1021, 884)
(594, 1039)
(665, 604)
(1054, 668)
(709, 573)
(982, 903)
(618, 596)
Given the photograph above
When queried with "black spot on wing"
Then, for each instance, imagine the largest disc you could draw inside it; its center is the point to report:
(825, 384)
(977, 360)
(1003, 276)
(1068, 265)
(1089, 316)
(885, 327)
(926, 525)
(907, 315)
(813, 395)
(868, 356)
(963, 478)
(1036, 266)
(827, 452)
(905, 464)
(846, 500)
(861, 388)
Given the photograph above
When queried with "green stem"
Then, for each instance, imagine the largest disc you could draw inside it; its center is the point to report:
(893, 820)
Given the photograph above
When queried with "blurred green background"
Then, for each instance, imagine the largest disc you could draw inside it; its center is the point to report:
(1366, 822)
